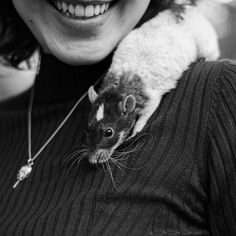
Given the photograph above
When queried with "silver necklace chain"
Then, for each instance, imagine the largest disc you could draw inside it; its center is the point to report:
(25, 170)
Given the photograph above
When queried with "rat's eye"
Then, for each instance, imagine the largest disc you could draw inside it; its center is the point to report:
(108, 132)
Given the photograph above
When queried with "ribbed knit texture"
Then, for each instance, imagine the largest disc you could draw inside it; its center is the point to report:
(182, 181)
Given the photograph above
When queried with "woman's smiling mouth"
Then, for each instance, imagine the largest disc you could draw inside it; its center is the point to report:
(80, 32)
(81, 9)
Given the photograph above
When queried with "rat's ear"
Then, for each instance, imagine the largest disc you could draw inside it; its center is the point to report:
(129, 104)
(92, 94)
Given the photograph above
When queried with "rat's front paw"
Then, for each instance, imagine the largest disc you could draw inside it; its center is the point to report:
(139, 125)
(142, 120)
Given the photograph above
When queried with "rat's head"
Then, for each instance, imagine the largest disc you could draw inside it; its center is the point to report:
(111, 120)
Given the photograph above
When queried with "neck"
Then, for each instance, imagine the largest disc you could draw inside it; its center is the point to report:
(59, 81)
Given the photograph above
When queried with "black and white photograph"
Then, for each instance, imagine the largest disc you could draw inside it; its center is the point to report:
(118, 118)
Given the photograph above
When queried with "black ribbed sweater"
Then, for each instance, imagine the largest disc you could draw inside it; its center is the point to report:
(182, 181)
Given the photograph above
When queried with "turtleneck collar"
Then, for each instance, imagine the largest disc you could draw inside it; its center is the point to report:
(58, 81)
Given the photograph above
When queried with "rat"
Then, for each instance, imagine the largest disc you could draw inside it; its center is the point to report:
(146, 64)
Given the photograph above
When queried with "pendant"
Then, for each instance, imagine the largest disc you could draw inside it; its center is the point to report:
(23, 173)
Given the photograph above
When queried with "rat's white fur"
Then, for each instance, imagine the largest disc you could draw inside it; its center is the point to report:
(161, 50)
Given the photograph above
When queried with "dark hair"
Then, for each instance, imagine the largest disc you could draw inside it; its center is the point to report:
(18, 43)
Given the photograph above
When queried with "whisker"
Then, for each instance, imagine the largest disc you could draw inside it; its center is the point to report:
(126, 167)
(111, 175)
(118, 154)
(79, 158)
(103, 167)
(117, 157)
(135, 140)
(82, 145)
(69, 159)
(71, 156)
(116, 163)
(132, 150)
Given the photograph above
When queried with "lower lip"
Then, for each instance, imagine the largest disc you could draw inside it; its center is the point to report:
(85, 24)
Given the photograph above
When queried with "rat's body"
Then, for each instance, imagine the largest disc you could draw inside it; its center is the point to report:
(146, 65)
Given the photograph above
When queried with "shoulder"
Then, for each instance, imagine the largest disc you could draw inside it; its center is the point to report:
(221, 159)
(210, 76)
(224, 90)
(201, 92)
(217, 69)
(199, 85)
(14, 81)
(226, 76)
(223, 99)
(220, 77)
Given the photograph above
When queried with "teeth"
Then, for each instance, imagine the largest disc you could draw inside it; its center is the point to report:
(97, 10)
(107, 5)
(64, 7)
(71, 9)
(103, 8)
(89, 11)
(80, 10)
(59, 6)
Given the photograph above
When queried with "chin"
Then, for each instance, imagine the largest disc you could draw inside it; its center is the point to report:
(80, 60)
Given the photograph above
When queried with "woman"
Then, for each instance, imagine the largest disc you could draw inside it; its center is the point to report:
(180, 182)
